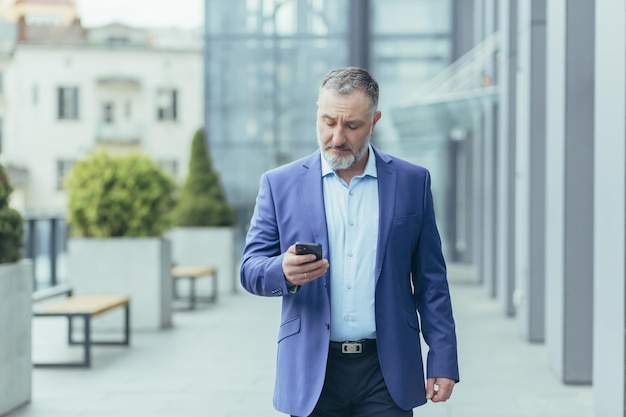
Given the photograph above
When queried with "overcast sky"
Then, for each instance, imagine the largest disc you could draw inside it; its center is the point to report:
(152, 13)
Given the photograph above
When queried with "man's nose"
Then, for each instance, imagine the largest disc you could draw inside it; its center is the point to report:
(339, 137)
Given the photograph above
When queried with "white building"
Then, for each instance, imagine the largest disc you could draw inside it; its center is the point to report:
(69, 91)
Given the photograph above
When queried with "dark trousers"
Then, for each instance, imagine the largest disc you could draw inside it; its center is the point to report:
(354, 387)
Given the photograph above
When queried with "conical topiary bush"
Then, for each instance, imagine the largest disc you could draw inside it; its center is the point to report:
(11, 224)
(202, 200)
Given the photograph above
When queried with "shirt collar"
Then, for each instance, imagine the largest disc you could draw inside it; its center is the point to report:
(370, 167)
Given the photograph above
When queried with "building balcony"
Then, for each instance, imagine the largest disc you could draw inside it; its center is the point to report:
(119, 134)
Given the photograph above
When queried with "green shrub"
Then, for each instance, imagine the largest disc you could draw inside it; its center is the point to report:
(111, 196)
(202, 201)
(11, 224)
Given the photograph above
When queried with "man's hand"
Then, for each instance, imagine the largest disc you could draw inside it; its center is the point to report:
(439, 389)
(300, 269)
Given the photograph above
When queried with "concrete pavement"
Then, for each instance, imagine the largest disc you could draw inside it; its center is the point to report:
(218, 361)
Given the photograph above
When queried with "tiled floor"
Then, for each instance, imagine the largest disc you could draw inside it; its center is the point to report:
(218, 361)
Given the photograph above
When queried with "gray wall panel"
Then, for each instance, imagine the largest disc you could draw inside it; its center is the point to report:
(610, 210)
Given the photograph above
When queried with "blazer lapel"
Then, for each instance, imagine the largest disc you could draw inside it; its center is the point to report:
(313, 200)
(387, 184)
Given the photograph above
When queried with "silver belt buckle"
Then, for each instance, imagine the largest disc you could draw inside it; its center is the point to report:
(351, 347)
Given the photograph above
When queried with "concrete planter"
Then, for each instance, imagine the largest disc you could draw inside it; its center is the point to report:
(16, 285)
(207, 246)
(137, 267)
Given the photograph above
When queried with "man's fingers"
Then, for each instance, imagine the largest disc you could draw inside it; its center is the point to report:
(441, 389)
(430, 388)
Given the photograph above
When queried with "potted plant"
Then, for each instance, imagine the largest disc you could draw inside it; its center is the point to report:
(204, 232)
(16, 280)
(118, 209)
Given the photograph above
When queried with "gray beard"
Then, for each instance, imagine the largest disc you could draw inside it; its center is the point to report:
(337, 162)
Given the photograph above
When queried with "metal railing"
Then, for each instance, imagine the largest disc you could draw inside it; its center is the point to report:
(472, 74)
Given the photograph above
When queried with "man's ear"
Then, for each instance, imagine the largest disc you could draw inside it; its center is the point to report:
(376, 117)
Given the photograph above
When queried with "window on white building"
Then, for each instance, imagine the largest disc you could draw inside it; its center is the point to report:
(67, 99)
(167, 103)
(108, 111)
(128, 109)
(64, 166)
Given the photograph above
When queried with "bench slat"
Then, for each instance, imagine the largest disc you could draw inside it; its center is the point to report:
(85, 304)
(192, 271)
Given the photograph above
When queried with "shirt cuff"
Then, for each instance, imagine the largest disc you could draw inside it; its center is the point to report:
(291, 287)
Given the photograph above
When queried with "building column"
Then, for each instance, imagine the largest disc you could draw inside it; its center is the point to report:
(609, 273)
(569, 188)
(506, 158)
(467, 232)
(360, 43)
(530, 212)
(486, 121)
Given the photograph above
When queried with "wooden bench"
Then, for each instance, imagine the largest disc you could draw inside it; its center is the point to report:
(192, 273)
(87, 307)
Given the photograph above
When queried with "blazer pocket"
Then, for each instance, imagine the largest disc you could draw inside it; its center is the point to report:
(404, 233)
(289, 328)
(404, 220)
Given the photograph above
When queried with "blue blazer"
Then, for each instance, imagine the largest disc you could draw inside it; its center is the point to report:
(410, 278)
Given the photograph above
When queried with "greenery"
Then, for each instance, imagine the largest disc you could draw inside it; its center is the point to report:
(11, 224)
(119, 196)
(202, 201)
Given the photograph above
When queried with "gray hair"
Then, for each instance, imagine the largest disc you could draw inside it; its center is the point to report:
(348, 80)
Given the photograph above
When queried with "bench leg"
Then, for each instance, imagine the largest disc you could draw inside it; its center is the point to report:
(175, 295)
(87, 341)
(193, 297)
(86, 363)
(192, 294)
(70, 328)
(127, 324)
(214, 295)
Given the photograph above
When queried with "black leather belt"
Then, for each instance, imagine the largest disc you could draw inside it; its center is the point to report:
(354, 347)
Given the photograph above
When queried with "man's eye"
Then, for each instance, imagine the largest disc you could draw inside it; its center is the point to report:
(352, 127)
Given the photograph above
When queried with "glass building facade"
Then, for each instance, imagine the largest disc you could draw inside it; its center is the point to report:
(264, 60)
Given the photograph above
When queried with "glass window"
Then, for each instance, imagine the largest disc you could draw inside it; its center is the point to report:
(108, 112)
(262, 71)
(67, 99)
(64, 166)
(411, 16)
(167, 104)
(128, 109)
(270, 17)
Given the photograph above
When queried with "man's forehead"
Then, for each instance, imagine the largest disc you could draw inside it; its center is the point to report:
(355, 104)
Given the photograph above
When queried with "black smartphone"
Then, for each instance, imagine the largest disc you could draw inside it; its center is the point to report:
(305, 248)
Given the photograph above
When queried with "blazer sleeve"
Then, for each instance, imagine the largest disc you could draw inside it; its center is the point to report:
(432, 296)
(261, 267)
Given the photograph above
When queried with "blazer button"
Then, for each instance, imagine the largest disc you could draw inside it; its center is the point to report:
(327, 326)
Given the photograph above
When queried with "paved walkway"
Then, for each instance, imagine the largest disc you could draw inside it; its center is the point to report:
(218, 361)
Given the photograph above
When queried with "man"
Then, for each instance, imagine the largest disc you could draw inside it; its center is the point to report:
(349, 340)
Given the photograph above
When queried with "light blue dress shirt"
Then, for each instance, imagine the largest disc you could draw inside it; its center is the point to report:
(352, 221)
